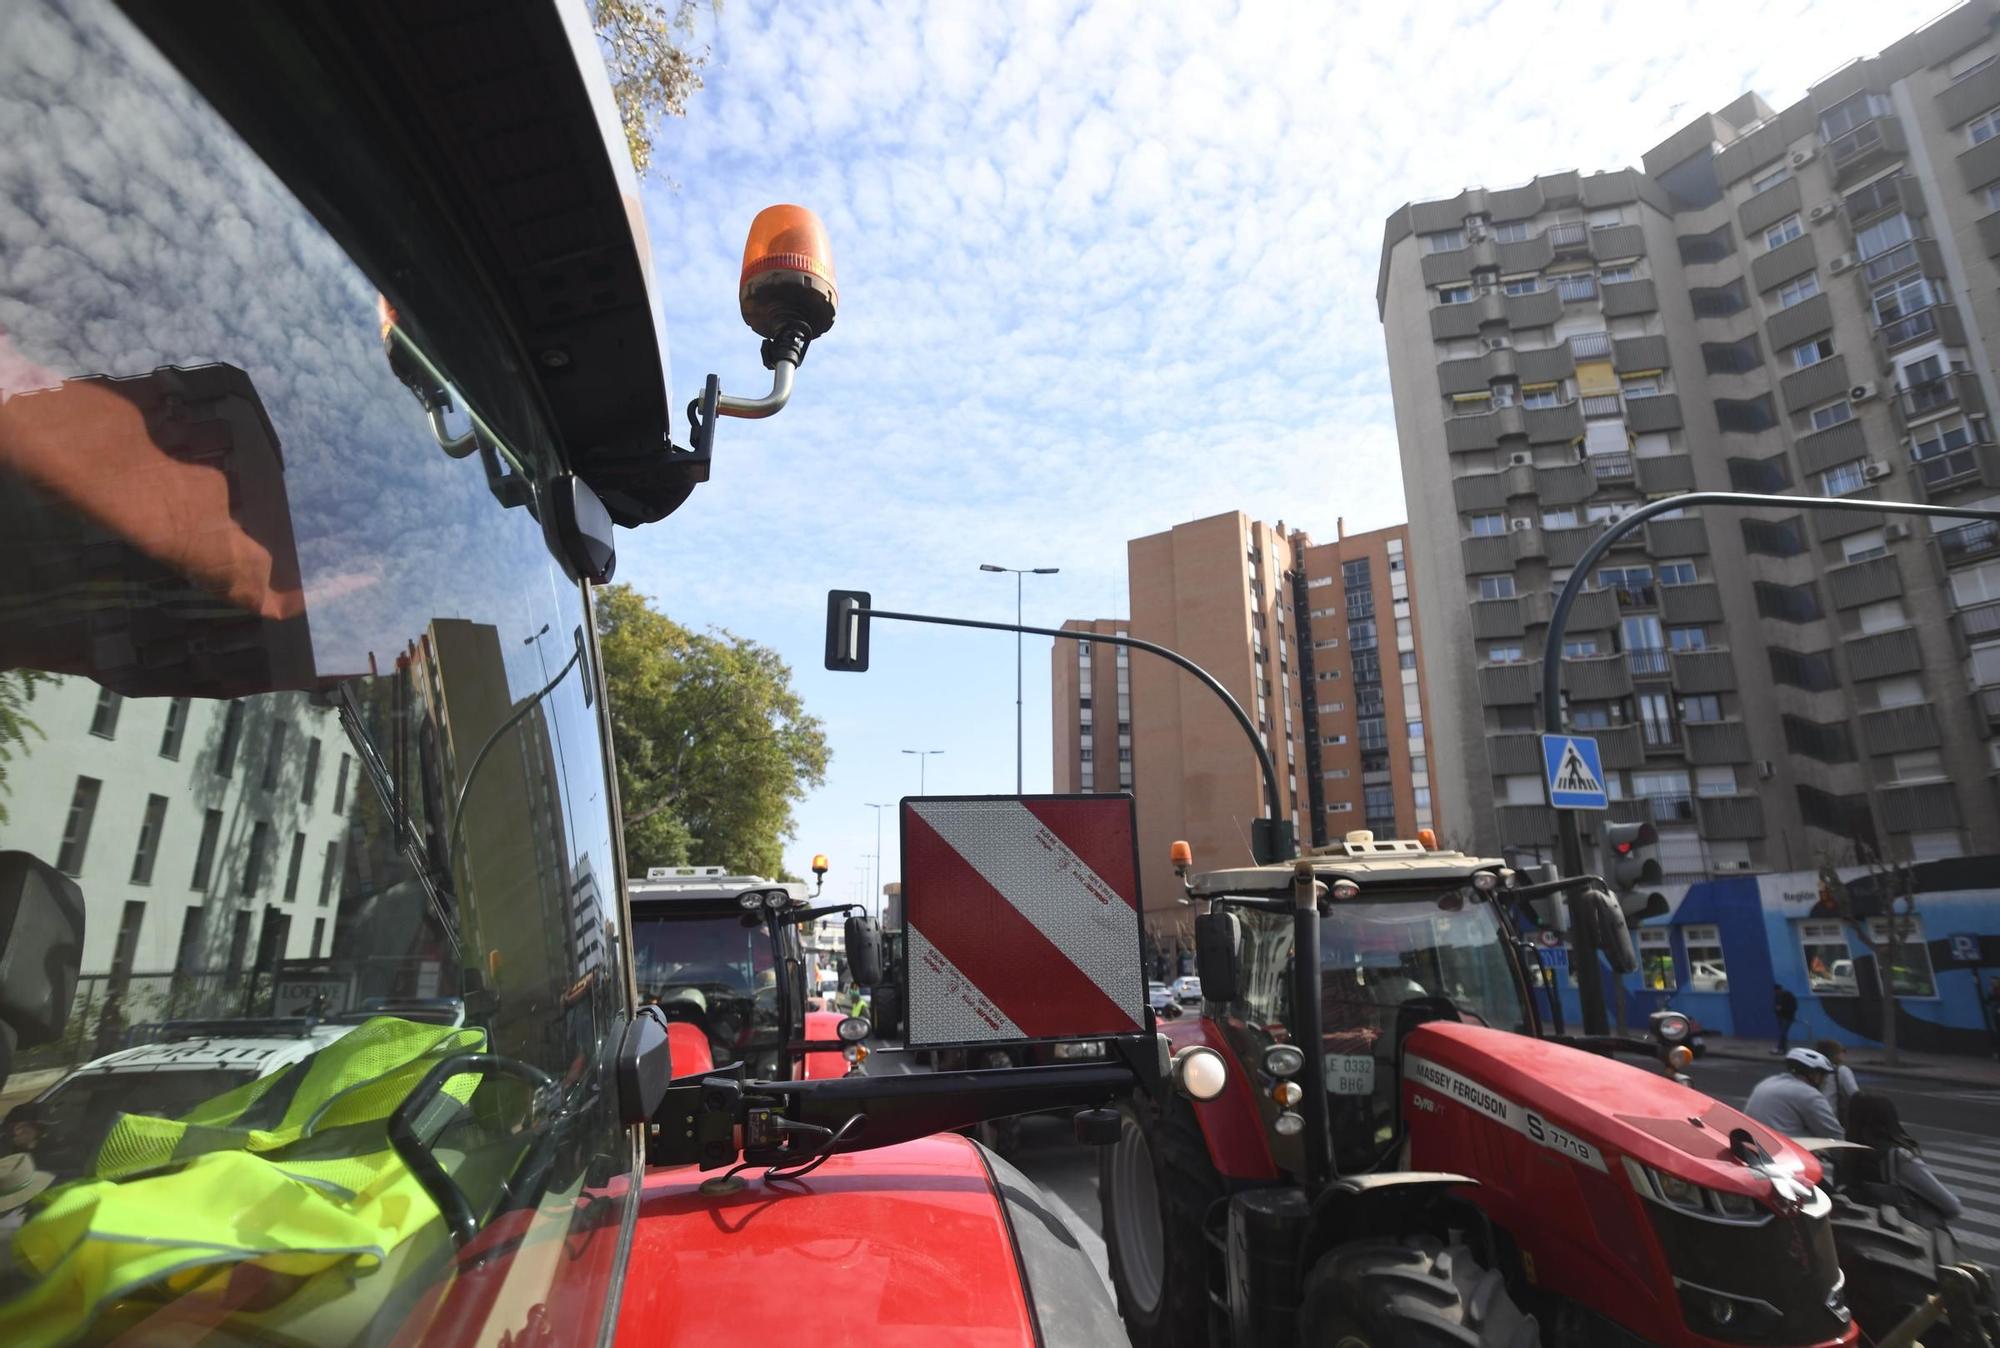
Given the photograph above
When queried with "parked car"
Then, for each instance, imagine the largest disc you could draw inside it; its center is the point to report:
(1187, 989)
(1837, 981)
(1158, 995)
(1707, 976)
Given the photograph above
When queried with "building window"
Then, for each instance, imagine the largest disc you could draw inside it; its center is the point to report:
(1590, 715)
(1564, 518)
(1828, 415)
(126, 950)
(1811, 353)
(1656, 959)
(1454, 295)
(104, 720)
(1910, 972)
(1869, 543)
(1333, 739)
(1984, 127)
(292, 867)
(148, 850)
(1798, 289)
(1856, 110)
(340, 785)
(1843, 478)
(1687, 638)
(232, 736)
(1878, 238)
(1486, 526)
(319, 935)
(1656, 719)
(1496, 587)
(1580, 648)
(311, 782)
(1770, 177)
(1900, 299)
(1677, 573)
(1782, 233)
(1361, 635)
(76, 827)
(1707, 970)
(274, 755)
(1523, 285)
(204, 853)
(1340, 807)
(1503, 655)
(1511, 231)
(1701, 707)
(1444, 241)
(1989, 196)
(333, 869)
(187, 955)
(1540, 397)
(1617, 275)
(253, 861)
(176, 728)
(1829, 968)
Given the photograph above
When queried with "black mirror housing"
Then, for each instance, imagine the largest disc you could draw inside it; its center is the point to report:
(1217, 938)
(864, 951)
(1610, 933)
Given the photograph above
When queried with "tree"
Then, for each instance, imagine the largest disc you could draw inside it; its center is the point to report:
(713, 746)
(652, 64)
(17, 690)
(1888, 893)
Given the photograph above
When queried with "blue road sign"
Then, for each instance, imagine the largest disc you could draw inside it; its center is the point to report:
(1574, 772)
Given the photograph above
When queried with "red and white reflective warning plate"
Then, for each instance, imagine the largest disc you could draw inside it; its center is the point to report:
(1022, 914)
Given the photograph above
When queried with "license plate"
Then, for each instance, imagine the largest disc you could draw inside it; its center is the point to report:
(1350, 1073)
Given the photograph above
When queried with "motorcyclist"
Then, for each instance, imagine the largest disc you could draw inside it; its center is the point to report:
(1793, 1101)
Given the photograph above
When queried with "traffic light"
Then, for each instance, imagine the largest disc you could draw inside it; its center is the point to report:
(1631, 853)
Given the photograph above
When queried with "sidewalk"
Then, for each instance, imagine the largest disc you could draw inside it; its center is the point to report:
(1983, 1073)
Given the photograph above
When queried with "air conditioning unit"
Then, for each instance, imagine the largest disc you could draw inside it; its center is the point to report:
(1896, 533)
(1800, 158)
(1874, 470)
(1841, 262)
(1517, 524)
(1861, 393)
(1518, 460)
(1823, 211)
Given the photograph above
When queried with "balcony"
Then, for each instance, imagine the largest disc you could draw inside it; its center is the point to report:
(1815, 384)
(1570, 484)
(1867, 582)
(1783, 262)
(1603, 405)
(1968, 542)
(1935, 397)
(1681, 604)
(1665, 474)
(1481, 430)
(1516, 755)
(1703, 671)
(1953, 461)
(1980, 622)
(1673, 538)
(1884, 195)
(1820, 450)
(1647, 662)
(1866, 144)
(1624, 298)
(1611, 467)
(1552, 425)
(1591, 346)
(1637, 596)
(1940, 321)
(1728, 817)
(1595, 678)
(1640, 353)
(1897, 730)
(1986, 703)
(1918, 807)
(1768, 207)
(1661, 412)
(1619, 747)
(1525, 825)
(1808, 318)
(1510, 685)
(1906, 256)
(1576, 289)
(1571, 236)
(1884, 655)
(1670, 808)
(1712, 742)
(1545, 364)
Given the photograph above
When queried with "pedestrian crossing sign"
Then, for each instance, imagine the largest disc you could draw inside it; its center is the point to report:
(1574, 772)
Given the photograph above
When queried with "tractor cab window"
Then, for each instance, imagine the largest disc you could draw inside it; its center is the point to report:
(715, 970)
(1378, 955)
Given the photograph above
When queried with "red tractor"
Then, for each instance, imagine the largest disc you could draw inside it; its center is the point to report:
(1403, 1156)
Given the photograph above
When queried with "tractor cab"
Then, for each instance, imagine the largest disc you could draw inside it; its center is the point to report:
(723, 958)
(1406, 934)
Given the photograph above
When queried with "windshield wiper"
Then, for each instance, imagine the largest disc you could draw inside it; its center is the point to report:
(438, 892)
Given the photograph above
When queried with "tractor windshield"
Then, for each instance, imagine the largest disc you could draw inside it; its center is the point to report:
(714, 970)
(1378, 954)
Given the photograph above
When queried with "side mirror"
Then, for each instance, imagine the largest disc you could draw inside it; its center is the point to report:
(1610, 934)
(1217, 938)
(864, 951)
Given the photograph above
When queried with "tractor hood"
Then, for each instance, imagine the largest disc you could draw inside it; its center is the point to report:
(1616, 1107)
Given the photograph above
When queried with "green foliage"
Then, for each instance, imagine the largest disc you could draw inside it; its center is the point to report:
(653, 68)
(17, 690)
(713, 745)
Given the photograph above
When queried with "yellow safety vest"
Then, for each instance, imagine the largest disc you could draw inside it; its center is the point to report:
(293, 1171)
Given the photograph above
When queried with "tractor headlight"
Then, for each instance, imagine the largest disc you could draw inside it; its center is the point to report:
(1672, 1027)
(1696, 1200)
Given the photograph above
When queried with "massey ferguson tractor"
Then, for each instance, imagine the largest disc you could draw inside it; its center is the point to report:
(1403, 1156)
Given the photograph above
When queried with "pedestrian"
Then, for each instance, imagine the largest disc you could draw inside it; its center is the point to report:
(111, 1024)
(1787, 1008)
(1894, 1161)
(23, 1130)
(1793, 1102)
(1841, 1087)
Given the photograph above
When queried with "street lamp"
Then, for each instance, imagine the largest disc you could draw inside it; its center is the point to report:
(878, 853)
(1017, 572)
(921, 755)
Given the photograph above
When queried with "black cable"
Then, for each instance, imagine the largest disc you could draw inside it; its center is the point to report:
(820, 1155)
(479, 759)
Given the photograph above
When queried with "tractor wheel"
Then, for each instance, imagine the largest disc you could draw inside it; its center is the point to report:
(1155, 1186)
(1417, 1292)
(1891, 1265)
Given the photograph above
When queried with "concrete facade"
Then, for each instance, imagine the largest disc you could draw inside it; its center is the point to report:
(1787, 302)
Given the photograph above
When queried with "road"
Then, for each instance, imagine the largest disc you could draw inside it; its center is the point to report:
(1958, 1126)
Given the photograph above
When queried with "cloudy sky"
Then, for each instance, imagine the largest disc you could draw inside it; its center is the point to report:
(1103, 268)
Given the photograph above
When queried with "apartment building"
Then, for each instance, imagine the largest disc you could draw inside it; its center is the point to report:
(1299, 633)
(1796, 302)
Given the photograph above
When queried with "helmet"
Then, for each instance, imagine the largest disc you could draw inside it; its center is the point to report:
(1808, 1060)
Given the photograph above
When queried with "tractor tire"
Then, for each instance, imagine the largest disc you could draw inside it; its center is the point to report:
(1155, 1186)
(1417, 1292)
(1891, 1264)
